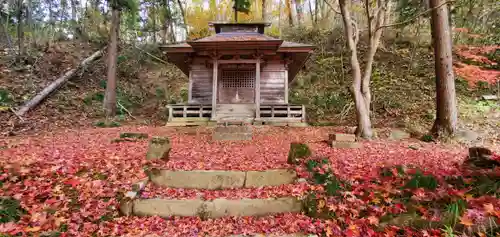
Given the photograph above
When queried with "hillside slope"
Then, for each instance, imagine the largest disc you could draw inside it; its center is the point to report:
(402, 86)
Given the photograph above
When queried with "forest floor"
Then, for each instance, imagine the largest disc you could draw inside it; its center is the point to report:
(80, 176)
(67, 177)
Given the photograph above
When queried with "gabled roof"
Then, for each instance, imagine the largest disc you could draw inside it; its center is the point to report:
(234, 36)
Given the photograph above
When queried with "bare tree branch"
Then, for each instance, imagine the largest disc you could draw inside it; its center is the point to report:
(353, 22)
(415, 17)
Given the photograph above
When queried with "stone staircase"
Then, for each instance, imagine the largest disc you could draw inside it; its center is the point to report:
(213, 180)
(218, 193)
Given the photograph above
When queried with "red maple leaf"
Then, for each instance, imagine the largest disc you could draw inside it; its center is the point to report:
(72, 182)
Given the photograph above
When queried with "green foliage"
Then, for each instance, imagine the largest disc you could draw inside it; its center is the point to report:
(422, 181)
(427, 138)
(129, 5)
(297, 152)
(107, 124)
(408, 9)
(455, 210)
(10, 210)
(486, 185)
(5, 97)
(184, 94)
(242, 6)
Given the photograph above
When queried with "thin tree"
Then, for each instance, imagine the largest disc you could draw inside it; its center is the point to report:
(288, 9)
(264, 11)
(446, 104)
(20, 29)
(298, 8)
(183, 13)
(360, 87)
(74, 23)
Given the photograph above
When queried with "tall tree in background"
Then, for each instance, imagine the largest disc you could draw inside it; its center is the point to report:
(298, 8)
(183, 15)
(241, 6)
(360, 88)
(264, 11)
(20, 24)
(110, 95)
(446, 105)
(288, 9)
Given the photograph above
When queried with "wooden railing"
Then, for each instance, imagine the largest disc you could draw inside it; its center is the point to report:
(189, 111)
(267, 112)
(287, 111)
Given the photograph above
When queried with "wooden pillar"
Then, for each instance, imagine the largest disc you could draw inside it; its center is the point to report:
(214, 88)
(257, 89)
(286, 85)
(190, 89)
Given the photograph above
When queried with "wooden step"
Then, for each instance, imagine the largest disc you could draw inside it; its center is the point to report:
(215, 208)
(215, 179)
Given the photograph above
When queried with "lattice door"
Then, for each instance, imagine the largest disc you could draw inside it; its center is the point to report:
(237, 86)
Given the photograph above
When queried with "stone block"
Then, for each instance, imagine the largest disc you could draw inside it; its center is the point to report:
(232, 133)
(298, 125)
(269, 178)
(200, 179)
(159, 148)
(253, 207)
(167, 207)
(126, 207)
(354, 145)
(342, 137)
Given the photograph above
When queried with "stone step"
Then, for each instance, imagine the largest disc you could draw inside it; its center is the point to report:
(221, 179)
(215, 208)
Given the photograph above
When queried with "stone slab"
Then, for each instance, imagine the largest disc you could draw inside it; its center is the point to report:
(167, 208)
(200, 179)
(253, 207)
(353, 145)
(269, 178)
(342, 137)
(215, 208)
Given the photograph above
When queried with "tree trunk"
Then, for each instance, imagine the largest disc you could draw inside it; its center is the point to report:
(153, 15)
(165, 23)
(316, 11)
(56, 84)
(289, 12)
(264, 11)
(298, 8)
(235, 12)
(311, 13)
(20, 30)
(375, 32)
(363, 128)
(110, 96)
(74, 23)
(52, 21)
(183, 16)
(29, 20)
(446, 105)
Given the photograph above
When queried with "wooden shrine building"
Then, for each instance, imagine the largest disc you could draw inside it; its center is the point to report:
(238, 74)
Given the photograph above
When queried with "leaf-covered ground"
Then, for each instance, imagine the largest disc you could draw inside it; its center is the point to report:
(71, 182)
